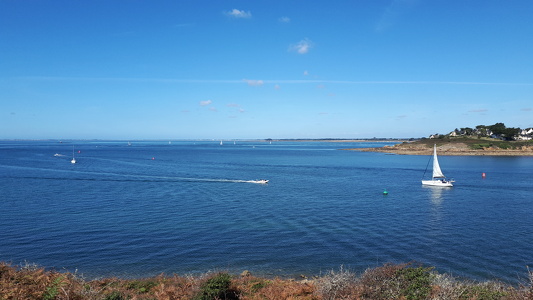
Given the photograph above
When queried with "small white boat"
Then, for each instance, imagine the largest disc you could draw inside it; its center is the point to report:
(260, 181)
(73, 161)
(438, 178)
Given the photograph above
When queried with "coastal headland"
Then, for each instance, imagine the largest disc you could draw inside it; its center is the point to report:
(457, 146)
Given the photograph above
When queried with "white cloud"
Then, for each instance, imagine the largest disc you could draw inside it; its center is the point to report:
(302, 47)
(239, 14)
(277, 87)
(306, 73)
(206, 102)
(284, 20)
(213, 109)
(251, 82)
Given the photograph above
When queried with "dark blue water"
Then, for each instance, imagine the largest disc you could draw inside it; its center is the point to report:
(118, 212)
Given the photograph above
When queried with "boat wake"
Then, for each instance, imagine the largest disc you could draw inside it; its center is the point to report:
(108, 176)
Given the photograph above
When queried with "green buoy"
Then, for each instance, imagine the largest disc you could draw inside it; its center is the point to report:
(385, 192)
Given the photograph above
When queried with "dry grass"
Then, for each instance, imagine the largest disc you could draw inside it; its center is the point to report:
(390, 281)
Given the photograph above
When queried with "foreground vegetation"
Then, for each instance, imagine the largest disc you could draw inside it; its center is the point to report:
(391, 281)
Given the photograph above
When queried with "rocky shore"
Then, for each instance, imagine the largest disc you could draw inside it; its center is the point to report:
(449, 148)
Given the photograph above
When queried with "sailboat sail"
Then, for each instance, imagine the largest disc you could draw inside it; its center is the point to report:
(438, 178)
(437, 172)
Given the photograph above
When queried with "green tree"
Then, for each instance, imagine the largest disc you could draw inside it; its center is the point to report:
(504, 132)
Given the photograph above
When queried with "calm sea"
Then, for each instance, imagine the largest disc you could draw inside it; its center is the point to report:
(185, 207)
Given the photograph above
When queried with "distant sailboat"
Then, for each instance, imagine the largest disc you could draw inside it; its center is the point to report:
(221, 143)
(438, 178)
(73, 161)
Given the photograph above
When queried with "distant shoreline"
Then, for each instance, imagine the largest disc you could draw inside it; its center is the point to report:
(450, 148)
(341, 140)
(448, 153)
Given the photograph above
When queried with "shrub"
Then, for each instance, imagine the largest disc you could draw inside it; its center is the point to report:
(336, 285)
(141, 286)
(115, 295)
(216, 287)
(396, 282)
(52, 290)
(379, 283)
(479, 146)
(505, 146)
(486, 291)
(414, 283)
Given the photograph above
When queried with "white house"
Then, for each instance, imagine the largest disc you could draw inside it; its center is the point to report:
(525, 134)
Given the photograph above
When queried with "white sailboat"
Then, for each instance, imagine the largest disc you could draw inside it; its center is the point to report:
(73, 161)
(438, 178)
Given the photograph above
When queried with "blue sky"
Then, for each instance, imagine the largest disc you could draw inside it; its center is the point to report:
(262, 69)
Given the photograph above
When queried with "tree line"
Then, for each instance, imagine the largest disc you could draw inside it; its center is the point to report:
(498, 130)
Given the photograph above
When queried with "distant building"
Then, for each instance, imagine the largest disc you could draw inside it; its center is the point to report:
(525, 134)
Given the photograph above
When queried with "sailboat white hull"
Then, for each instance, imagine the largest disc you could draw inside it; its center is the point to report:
(438, 178)
(437, 182)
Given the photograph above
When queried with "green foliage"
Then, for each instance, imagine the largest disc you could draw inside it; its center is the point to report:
(415, 283)
(479, 146)
(467, 130)
(115, 295)
(141, 286)
(504, 146)
(216, 287)
(256, 286)
(53, 289)
(497, 128)
(501, 130)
